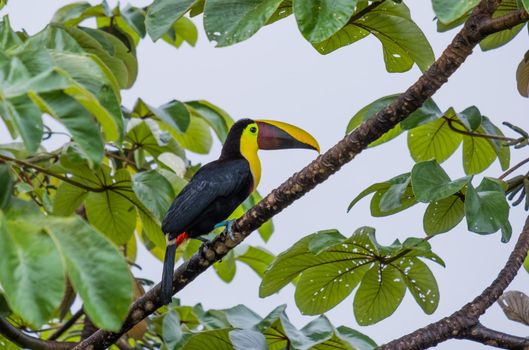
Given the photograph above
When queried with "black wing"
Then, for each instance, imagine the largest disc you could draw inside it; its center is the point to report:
(214, 180)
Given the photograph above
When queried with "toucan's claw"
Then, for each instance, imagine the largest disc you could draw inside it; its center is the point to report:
(227, 231)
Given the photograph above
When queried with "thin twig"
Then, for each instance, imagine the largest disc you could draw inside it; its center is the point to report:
(514, 168)
(477, 134)
(491, 337)
(67, 325)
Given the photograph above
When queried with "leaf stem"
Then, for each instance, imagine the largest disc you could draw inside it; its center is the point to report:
(366, 10)
(451, 123)
(514, 168)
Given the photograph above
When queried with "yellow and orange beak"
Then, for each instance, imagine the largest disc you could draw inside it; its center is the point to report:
(278, 135)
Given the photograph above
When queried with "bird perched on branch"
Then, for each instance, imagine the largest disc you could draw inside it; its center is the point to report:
(218, 188)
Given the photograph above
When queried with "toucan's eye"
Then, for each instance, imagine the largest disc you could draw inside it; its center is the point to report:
(253, 129)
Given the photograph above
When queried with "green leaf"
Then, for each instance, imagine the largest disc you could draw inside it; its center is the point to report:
(420, 282)
(321, 288)
(217, 339)
(111, 50)
(380, 186)
(67, 199)
(443, 215)
(197, 137)
(379, 294)
(257, 258)
(97, 90)
(391, 199)
(163, 13)
(402, 40)
(486, 208)
(248, 339)
(27, 118)
(407, 199)
(240, 316)
(172, 332)
(434, 140)
(135, 18)
(319, 19)
(428, 112)
(325, 239)
(112, 214)
(356, 339)
(470, 117)
(8, 38)
(450, 10)
(226, 268)
(77, 120)
(97, 270)
(522, 76)
(478, 154)
(369, 111)
(217, 118)
(6, 185)
(32, 275)
(182, 30)
(502, 151)
(430, 182)
(154, 191)
(230, 23)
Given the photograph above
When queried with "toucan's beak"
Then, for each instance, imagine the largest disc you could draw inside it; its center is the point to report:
(278, 135)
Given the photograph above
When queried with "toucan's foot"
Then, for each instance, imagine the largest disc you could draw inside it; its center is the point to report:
(227, 231)
(203, 239)
(207, 244)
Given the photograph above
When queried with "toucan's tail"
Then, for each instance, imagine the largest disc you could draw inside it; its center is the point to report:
(168, 268)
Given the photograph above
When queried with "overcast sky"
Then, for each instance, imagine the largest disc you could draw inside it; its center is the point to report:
(278, 75)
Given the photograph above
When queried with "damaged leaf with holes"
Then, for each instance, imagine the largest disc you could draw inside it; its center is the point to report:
(328, 266)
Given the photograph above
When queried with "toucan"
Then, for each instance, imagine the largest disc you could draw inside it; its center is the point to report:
(218, 188)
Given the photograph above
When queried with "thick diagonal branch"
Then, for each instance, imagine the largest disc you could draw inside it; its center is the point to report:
(317, 171)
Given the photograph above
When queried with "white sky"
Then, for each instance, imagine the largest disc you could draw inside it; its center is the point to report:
(277, 75)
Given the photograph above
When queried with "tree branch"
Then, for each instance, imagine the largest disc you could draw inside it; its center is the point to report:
(462, 322)
(315, 173)
(487, 336)
(23, 340)
(494, 25)
(67, 325)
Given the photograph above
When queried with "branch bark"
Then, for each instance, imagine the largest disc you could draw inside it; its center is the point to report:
(487, 336)
(23, 340)
(475, 29)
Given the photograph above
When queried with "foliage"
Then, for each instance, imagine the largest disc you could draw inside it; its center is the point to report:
(330, 266)
(69, 213)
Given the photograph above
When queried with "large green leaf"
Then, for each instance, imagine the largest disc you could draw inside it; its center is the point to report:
(319, 19)
(197, 138)
(67, 199)
(328, 267)
(32, 275)
(478, 154)
(444, 214)
(420, 282)
(97, 270)
(154, 191)
(502, 150)
(110, 211)
(226, 268)
(27, 118)
(163, 13)
(450, 10)
(112, 51)
(258, 259)
(217, 118)
(368, 112)
(430, 182)
(248, 339)
(379, 294)
(486, 209)
(402, 40)
(77, 120)
(182, 30)
(434, 140)
(237, 20)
